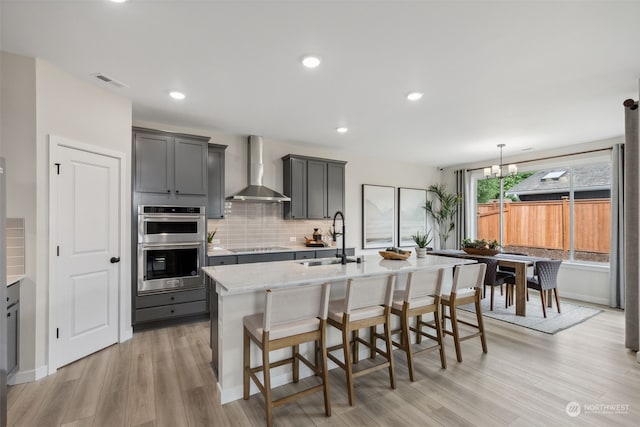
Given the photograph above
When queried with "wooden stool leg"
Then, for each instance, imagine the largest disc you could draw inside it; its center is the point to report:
(266, 371)
(356, 346)
(440, 335)
(347, 363)
(296, 363)
(419, 329)
(555, 292)
(373, 341)
(325, 370)
(483, 338)
(387, 338)
(493, 288)
(246, 356)
(454, 330)
(406, 344)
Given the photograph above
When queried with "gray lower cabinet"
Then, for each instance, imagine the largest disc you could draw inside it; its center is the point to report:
(170, 305)
(13, 327)
(274, 256)
(315, 186)
(215, 171)
(168, 163)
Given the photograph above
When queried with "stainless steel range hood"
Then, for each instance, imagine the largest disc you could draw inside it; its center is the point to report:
(255, 191)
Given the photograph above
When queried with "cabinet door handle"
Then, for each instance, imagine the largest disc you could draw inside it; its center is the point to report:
(177, 191)
(9, 314)
(172, 298)
(114, 259)
(168, 191)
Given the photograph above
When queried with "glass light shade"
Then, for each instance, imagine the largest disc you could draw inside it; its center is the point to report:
(513, 169)
(495, 170)
(487, 172)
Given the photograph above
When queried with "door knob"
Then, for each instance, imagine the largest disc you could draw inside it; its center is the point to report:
(114, 259)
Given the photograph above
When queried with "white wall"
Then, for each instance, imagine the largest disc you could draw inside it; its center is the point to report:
(360, 169)
(62, 105)
(18, 125)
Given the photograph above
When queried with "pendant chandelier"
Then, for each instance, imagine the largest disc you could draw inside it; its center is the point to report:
(498, 171)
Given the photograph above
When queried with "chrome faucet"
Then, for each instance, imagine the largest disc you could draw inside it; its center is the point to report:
(343, 255)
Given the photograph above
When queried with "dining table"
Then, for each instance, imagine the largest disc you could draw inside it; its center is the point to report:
(519, 263)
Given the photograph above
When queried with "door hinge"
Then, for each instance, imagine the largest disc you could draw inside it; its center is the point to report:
(58, 168)
(58, 333)
(57, 250)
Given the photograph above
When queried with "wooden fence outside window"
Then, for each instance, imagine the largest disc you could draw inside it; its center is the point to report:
(546, 224)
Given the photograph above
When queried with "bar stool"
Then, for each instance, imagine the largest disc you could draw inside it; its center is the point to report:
(291, 317)
(421, 296)
(466, 288)
(367, 304)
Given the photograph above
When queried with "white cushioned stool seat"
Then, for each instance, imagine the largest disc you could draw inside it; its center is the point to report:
(336, 311)
(254, 324)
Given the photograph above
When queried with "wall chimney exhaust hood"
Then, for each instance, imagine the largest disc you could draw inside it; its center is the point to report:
(255, 191)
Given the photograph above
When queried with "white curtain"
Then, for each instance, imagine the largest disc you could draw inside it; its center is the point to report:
(461, 190)
(631, 223)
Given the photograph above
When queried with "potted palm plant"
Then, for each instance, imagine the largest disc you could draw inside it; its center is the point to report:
(442, 209)
(421, 240)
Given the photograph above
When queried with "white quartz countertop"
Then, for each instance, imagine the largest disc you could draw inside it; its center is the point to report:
(14, 279)
(245, 278)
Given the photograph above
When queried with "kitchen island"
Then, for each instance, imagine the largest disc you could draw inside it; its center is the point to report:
(238, 290)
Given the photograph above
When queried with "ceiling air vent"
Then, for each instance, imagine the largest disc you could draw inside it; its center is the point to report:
(109, 80)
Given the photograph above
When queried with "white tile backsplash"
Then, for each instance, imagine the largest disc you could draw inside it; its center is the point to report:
(15, 246)
(249, 224)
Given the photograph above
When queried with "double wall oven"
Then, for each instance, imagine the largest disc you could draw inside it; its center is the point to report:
(171, 248)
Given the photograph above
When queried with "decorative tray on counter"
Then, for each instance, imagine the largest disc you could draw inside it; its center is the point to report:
(314, 243)
(394, 255)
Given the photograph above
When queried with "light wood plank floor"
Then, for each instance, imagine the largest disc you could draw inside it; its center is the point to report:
(162, 377)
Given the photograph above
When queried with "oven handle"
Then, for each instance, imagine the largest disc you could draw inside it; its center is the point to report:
(147, 217)
(171, 245)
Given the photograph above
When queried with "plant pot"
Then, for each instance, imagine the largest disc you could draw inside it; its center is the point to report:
(209, 247)
(421, 252)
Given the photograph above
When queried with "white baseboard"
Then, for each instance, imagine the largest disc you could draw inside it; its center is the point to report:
(582, 297)
(21, 377)
(126, 334)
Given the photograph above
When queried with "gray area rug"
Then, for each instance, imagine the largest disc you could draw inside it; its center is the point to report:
(571, 315)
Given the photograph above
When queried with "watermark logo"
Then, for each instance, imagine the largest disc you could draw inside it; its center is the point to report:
(573, 409)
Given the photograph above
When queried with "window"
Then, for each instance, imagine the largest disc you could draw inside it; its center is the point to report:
(556, 211)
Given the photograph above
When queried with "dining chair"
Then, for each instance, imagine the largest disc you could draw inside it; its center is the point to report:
(367, 304)
(466, 288)
(421, 296)
(494, 278)
(291, 317)
(545, 277)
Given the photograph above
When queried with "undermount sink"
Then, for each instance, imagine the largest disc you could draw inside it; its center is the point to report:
(324, 261)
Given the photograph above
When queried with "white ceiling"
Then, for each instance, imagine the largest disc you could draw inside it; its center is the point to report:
(528, 74)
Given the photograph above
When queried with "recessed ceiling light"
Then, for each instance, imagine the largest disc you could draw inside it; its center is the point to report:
(342, 129)
(118, 1)
(177, 95)
(414, 96)
(310, 61)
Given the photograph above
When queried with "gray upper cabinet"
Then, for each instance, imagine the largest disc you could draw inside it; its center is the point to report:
(170, 163)
(295, 186)
(215, 167)
(335, 188)
(153, 174)
(316, 187)
(190, 167)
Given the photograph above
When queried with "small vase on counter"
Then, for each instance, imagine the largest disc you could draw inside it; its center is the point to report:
(421, 252)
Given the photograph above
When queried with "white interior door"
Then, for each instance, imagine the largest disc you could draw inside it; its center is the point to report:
(88, 238)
